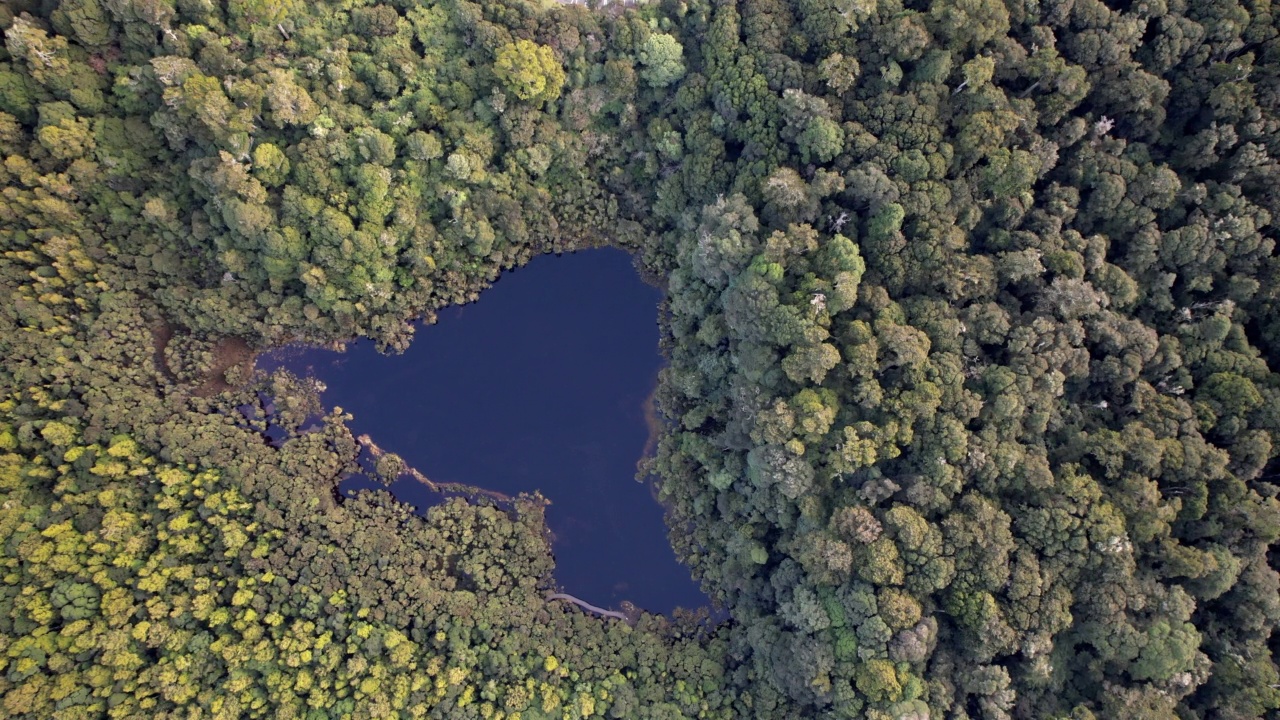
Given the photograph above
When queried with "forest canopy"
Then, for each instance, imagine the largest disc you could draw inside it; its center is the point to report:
(970, 312)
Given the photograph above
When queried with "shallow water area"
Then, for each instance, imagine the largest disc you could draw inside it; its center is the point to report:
(542, 384)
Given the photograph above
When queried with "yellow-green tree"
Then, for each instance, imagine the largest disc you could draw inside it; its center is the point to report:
(529, 70)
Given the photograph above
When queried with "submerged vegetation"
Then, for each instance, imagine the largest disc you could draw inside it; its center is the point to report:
(971, 309)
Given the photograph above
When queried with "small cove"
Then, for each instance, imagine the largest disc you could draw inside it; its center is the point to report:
(542, 384)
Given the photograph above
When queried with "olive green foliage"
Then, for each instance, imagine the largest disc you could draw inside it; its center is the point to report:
(530, 71)
(181, 181)
(970, 316)
(305, 172)
(661, 58)
(219, 572)
(142, 586)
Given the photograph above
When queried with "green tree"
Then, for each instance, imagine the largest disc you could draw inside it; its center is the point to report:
(662, 60)
(270, 165)
(1168, 650)
(530, 71)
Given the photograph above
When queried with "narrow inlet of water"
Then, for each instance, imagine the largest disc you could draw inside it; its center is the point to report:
(542, 384)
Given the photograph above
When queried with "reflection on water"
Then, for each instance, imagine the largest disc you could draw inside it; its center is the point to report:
(543, 384)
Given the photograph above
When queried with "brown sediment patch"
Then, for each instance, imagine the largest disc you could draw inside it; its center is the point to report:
(161, 334)
(292, 347)
(228, 352)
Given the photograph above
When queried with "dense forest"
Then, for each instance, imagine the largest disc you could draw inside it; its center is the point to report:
(970, 312)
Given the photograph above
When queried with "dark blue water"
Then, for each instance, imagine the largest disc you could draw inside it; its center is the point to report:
(542, 384)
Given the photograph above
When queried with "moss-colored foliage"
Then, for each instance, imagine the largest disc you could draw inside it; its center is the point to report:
(662, 58)
(530, 71)
(996, 384)
(270, 165)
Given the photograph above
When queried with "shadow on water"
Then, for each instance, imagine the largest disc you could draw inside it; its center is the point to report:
(544, 384)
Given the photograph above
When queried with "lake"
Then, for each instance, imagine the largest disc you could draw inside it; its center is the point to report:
(542, 384)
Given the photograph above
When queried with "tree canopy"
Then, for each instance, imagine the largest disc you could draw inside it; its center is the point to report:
(970, 313)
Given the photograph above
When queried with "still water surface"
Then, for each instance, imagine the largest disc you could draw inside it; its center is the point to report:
(542, 384)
